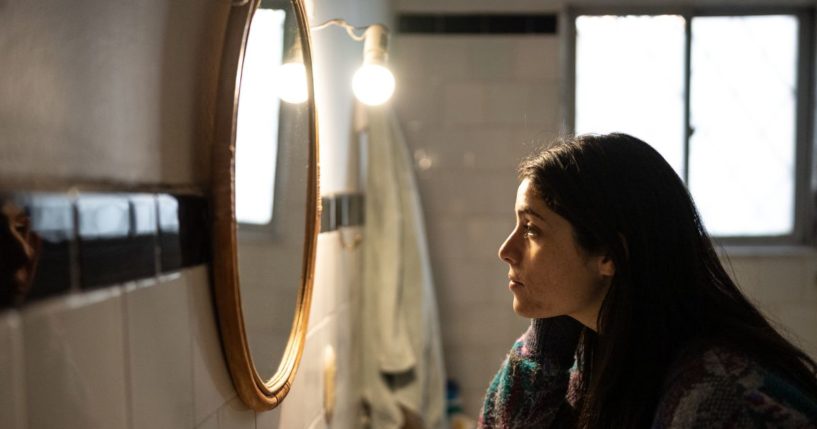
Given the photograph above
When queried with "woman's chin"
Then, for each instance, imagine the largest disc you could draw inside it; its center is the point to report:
(527, 312)
(524, 311)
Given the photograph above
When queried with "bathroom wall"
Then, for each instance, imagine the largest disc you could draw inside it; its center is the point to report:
(120, 96)
(471, 107)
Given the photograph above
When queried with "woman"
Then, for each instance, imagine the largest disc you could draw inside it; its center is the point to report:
(635, 321)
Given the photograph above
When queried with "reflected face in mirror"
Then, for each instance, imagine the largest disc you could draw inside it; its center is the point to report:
(20, 247)
(271, 180)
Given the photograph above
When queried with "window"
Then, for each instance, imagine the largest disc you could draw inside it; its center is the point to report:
(724, 98)
(258, 113)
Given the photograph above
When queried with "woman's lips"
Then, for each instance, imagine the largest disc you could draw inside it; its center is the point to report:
(514, 284)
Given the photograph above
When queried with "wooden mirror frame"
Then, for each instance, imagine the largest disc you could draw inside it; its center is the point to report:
(258, 393)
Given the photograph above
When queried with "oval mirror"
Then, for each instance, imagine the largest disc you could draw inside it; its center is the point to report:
(265, 197)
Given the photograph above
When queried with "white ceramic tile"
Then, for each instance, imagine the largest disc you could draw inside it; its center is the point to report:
(489, 147)
(470, 283)
(487, 232)
(472, 401)
(236, 415)
(347, 343)
(327, 282)
(771, 280)
(416, 100)
(467, 193)
(483, 6)
(505, 103)
(542, 107)
(212, 386)
(159, 340)
(319, 423)
(800, 323)
(352, 263)
(433, 58)
(304, 402)
(476, 238)
(492, 57)
(268, 419)
(120, 138)
(12, 372)
(493, 147)
(442, 147)
(810, 278)
(478, 370)
(463, 103)
(537, 57)
(210, 422)
(75, 361)
(467, 325)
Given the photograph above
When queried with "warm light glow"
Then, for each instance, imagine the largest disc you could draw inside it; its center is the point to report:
(292, 83)
(373, 84)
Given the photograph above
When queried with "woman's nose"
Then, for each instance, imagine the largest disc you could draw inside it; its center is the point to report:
(506, 252)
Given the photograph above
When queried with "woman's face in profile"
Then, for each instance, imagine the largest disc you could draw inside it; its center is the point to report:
(549, 274)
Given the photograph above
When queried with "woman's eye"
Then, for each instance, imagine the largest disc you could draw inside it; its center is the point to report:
(529, 231)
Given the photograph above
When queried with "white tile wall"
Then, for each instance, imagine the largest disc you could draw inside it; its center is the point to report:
(147, 133)
(235, 415)
(785, 288)
(145, 354)
(212, 386)
(268, 419)
(12, 373)
(210, 423)
(75, 362)
(304, 403)
(108, 360)
(534, 60)
(499, 98)
(161, 384)
(554, 6)
(333, 322)
(463, 103)
(325, 302)
(347, 347)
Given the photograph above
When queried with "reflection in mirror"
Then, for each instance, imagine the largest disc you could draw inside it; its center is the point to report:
(271, 174)
(20, 247)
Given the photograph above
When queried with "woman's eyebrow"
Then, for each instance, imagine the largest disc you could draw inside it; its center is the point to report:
(528, 210)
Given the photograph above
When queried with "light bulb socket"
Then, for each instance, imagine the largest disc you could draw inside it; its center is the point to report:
(376, 45)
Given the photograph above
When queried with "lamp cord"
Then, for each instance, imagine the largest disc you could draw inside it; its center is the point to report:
(350, 29)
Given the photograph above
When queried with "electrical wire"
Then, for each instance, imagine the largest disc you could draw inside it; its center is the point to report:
(350, 29)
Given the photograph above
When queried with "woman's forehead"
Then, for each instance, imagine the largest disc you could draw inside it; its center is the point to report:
(529, 201)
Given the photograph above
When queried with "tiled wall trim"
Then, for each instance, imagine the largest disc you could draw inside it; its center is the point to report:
(477, 24)
(342, 210)
(54, 243)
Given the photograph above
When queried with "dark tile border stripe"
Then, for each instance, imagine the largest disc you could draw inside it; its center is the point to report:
(477, 23)
(53, 243)
(342, 210)
(84, 241)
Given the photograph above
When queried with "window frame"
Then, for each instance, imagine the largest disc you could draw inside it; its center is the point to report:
(804, 231)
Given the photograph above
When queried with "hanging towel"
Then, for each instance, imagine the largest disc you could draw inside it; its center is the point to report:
(402, 362)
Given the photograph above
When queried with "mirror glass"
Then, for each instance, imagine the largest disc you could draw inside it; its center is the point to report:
(271, 180)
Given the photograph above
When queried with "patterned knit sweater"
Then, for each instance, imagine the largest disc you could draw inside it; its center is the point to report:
(537, 385)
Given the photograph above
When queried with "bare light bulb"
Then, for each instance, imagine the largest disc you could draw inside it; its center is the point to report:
(292, 83)
(373, 84)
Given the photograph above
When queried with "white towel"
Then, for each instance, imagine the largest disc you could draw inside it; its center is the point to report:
(402, 359)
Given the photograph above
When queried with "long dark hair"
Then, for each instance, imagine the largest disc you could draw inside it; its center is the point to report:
(670, 291)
